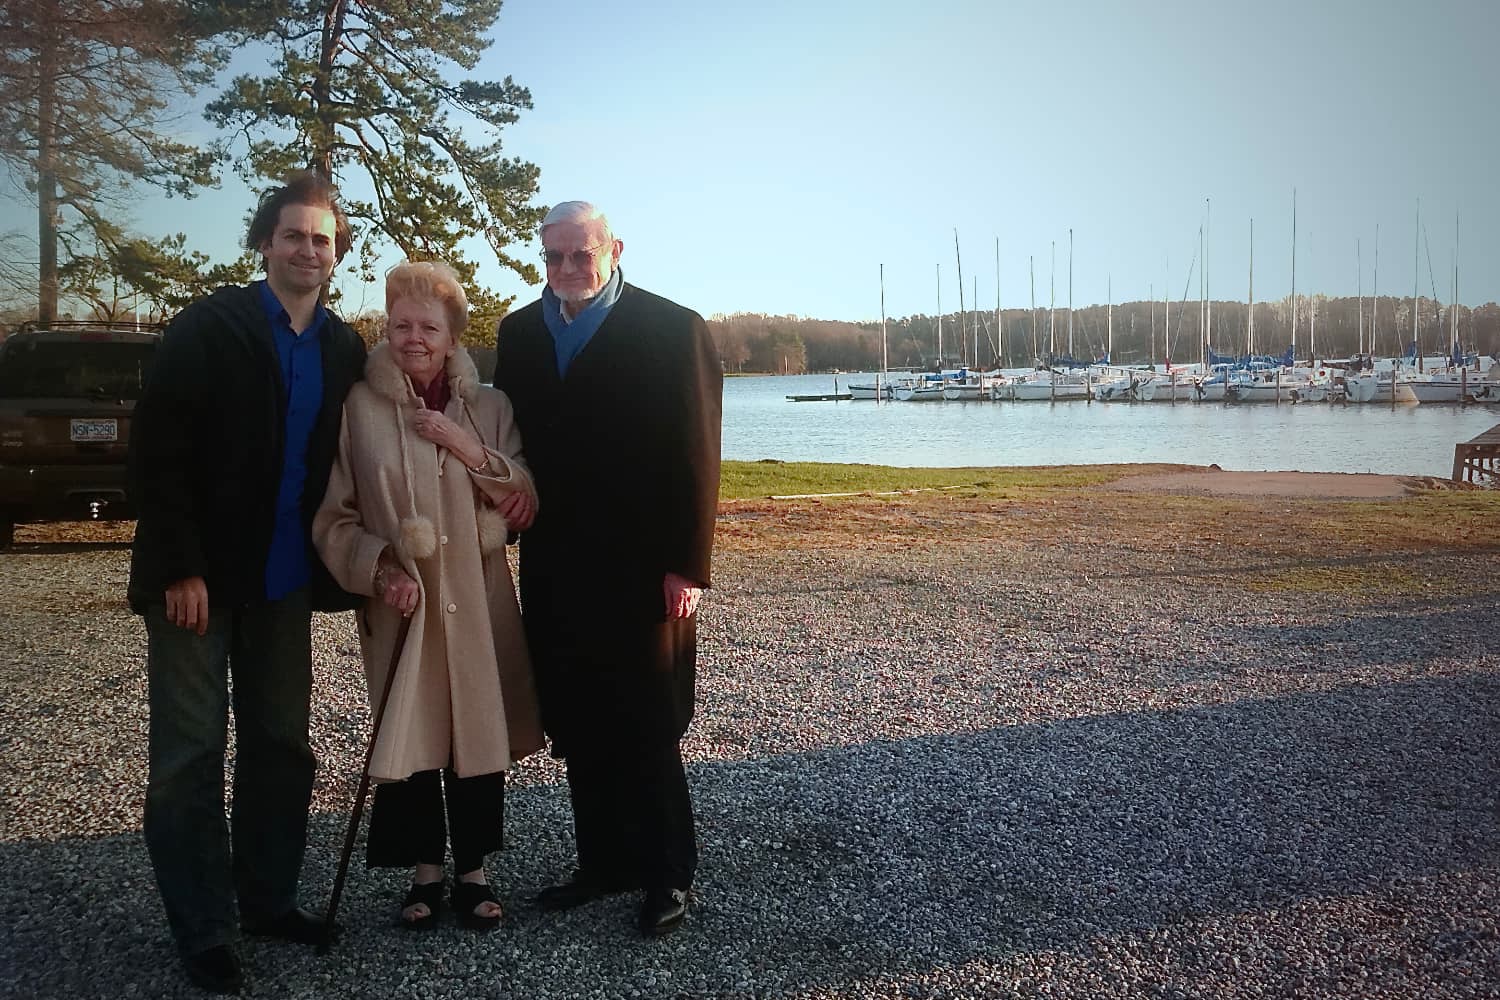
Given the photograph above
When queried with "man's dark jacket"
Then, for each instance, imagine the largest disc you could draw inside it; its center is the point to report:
(625, 453)
(206, 451)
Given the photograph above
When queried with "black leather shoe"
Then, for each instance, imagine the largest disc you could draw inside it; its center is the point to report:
(583, 887)
(567, 895)
(215, 969)
(663, 911)
(297, 925)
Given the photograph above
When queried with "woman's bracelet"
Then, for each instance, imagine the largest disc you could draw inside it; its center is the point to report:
(482, 467)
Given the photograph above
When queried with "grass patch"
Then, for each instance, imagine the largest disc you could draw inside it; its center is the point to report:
(748, 480)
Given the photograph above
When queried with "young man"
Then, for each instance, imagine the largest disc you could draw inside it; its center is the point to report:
(617, 394)
(230, 449)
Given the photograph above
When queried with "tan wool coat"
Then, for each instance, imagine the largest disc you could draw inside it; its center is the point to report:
(463, 694)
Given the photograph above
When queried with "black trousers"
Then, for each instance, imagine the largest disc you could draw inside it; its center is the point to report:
(633, 817)
(407, 825)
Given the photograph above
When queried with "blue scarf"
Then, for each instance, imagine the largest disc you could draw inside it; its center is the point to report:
(570, 337)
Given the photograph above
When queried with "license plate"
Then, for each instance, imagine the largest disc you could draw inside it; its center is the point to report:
(95, 430)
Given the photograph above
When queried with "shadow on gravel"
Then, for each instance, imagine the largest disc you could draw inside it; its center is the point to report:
(1413, 632)
(1242, 563)
(908, 858)
(64, 548)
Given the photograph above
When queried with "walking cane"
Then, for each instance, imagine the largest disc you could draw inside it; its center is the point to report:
(359, 796)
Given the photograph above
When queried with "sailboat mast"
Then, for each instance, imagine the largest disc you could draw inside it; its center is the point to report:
(958, 258)
(1453, 320)
(1294, 275)
(1208, 295)
(940, 317)
(1375, 291)
(974, 323)
(1250, 324)
(1312, 330)
(1166, 314)
(1416, 255)
(1151, 297)
(999, 320)
(1359, 282)
(1109, 335)
(1052, 309)
(884, 353)
(1035, 347)
(1070, 295)
(1202, 325)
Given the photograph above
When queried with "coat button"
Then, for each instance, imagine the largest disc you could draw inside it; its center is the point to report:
(452, 608)
(443, 540)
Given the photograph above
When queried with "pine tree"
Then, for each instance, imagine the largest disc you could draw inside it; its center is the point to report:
(85, 89)
(363, 86)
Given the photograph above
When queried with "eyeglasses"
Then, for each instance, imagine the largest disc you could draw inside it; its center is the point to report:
(581, 258)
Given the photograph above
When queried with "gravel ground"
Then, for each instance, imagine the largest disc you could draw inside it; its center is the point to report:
(1064, 772)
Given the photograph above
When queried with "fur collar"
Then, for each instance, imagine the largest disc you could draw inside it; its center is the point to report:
(386, 377)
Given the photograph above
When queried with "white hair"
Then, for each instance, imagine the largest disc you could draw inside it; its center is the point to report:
(580, 213)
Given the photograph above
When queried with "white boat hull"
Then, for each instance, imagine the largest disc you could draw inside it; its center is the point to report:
(1449, 390)
(1060, 391)
(919, 394)
(1378, 387)
(1163, 390)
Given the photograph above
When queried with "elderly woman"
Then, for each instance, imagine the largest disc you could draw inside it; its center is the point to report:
(428, 484)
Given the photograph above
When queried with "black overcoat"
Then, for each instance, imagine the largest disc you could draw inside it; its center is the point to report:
(206, 447)
(625, 454)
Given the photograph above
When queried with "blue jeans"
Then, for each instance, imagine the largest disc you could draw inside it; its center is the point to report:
(202, 868)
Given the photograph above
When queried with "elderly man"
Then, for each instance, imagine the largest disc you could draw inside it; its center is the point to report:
(230, 451)
(617, 394)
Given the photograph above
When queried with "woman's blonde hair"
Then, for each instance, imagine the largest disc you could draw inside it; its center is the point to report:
(433, 281)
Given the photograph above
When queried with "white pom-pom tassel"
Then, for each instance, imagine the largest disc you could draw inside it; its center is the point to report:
(493, 530)
(418, 537)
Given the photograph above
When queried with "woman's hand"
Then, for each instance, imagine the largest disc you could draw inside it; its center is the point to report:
(518, 509)
(401, 591)
(434, 426)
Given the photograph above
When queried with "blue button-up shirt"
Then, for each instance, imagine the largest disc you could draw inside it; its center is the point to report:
(289, 565)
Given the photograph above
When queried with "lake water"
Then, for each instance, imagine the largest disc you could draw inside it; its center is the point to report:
(759, 422)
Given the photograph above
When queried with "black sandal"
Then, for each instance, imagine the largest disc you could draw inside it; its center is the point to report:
(428, 894)
(469, 895)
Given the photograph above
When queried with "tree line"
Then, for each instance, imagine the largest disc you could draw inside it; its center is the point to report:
(1136, 333)
(352, 88)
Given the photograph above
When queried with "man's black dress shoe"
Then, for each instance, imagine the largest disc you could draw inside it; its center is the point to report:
(663, 911)
(297, 925)
(583, 887)
(215, 969)
(567, 895)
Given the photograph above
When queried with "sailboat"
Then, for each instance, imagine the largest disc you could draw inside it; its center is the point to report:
(1386, 384)
(881, 387)
(927, 388)
(1462, 380)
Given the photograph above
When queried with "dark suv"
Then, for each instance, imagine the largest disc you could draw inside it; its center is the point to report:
(66, 395)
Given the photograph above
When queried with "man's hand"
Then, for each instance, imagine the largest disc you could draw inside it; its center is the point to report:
(681, 596)
(518, 509)
(187, 604)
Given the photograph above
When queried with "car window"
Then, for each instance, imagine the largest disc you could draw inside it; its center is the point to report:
(80, 369)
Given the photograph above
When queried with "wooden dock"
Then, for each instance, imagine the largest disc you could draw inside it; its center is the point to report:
(821, 397)
(1478, 459)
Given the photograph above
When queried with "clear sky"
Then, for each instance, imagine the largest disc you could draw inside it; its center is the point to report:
(769, 157)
